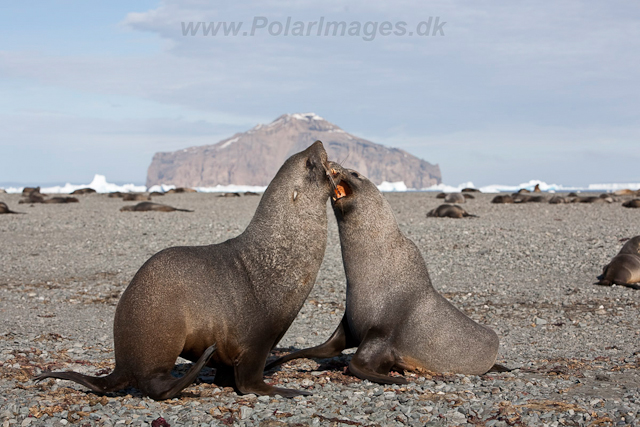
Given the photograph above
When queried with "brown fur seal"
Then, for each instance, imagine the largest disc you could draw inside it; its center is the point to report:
(502, 198)
(58, 200)
(536, 189)
(33, 196)
(624, 268)
(4, 209)
(449, 211)
(156, 193)
(251, 193)
(181, 190)
(229, 195)
(556, 200)
(526, 198)
(635, 203)
(470, 190)
(227, 304)
(150, 206)
(455, 198)
(393, 314)
(28, 190)
(83, 191)
(441, 195)
(592, 199)
(115, 194)
(135, 197)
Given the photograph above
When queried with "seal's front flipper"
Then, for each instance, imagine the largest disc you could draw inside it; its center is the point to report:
(340, 340)
(374, 359)
(163, 385)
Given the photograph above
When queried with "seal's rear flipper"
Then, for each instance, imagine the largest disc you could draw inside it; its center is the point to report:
(374, 359)
(116, 380)
(339, 340)
(365, 373)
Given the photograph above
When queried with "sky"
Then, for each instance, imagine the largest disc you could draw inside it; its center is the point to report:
(493, 92)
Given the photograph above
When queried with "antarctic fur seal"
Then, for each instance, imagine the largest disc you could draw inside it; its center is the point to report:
(150, 206)
(449, 211)
(393, 314)
(624, 268)
(455, 198)
(502, 198)
(635, 203)
(557, 200)
(226, 304)
(4, 209)
(83, 191)
(135, 197)
(61, 199)
(181, 190)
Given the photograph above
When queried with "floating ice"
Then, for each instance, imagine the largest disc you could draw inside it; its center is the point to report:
(101, 185)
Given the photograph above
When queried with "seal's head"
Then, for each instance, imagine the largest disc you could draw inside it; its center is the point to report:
(632, 246)
(355, 197)
(299, 190)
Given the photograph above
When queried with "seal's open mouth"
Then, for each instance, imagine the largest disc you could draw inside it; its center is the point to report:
(342, 190)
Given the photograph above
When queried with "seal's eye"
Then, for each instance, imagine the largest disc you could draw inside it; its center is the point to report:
(355, 174)
(310, 164)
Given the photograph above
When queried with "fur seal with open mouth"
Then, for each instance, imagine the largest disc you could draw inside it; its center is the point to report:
(393, 314)
(226, 304)
(624, 268)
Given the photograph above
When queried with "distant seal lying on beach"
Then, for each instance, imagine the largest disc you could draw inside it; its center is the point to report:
(181, 190)
(624, 268)
(526, 198)
(592, 199)
(229, 195)
(556, 200)
(227, 304)
(32, 196)
(135, 197)
(393, 314)
(150, 206)
(455, 198)
(4, 209)
(503, 198)
(62, 199)
(449, 211)
(635, 203)
(83, 191)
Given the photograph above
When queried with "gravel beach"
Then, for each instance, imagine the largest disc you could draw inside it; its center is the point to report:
(526, 270)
